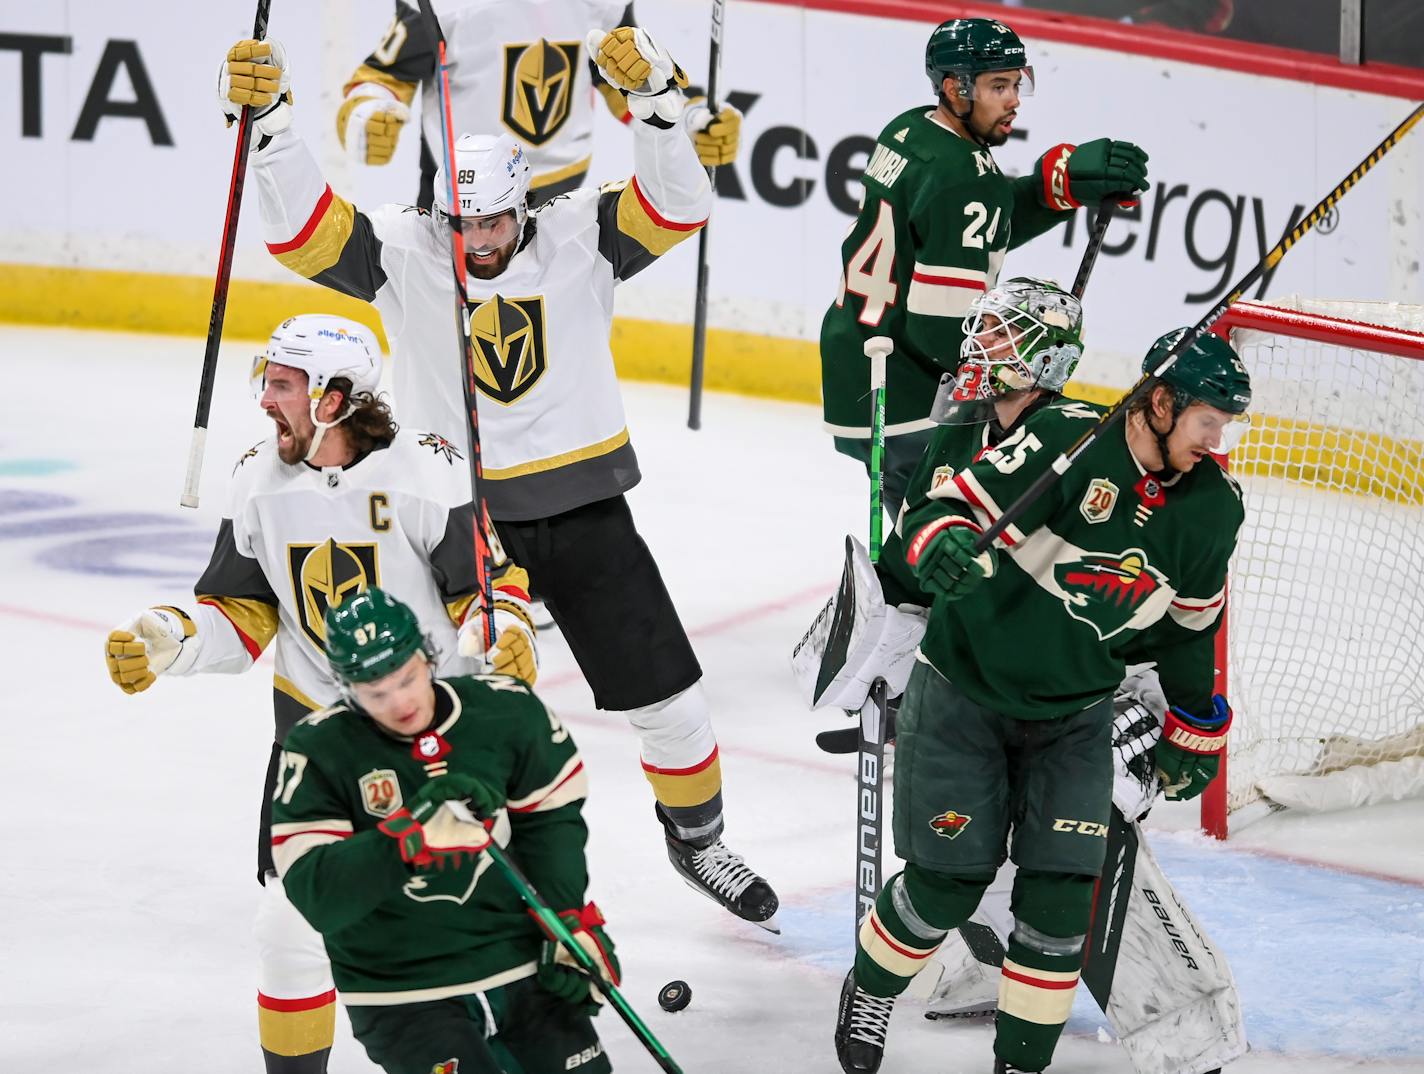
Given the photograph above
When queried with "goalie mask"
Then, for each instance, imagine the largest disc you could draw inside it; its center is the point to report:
(492, 180)
(1023, 334)
(324, 347)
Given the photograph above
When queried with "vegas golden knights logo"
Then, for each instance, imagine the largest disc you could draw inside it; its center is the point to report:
(538, 88)
(507, 336)
(324, 575)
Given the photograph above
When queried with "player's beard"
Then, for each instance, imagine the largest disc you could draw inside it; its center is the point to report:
(488, 270)
(292, 448)
(989, 134)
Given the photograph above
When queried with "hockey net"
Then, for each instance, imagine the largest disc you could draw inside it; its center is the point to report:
(1324, 641)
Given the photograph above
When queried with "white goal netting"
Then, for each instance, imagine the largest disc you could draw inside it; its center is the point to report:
(1326, 596)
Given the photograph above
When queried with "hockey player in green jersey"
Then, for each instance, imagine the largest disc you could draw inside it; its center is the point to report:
(381, 808)
(936, 220)
(1006, 719)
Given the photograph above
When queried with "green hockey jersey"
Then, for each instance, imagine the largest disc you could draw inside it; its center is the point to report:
(401, 935)
(936, 219)
(1112, 565)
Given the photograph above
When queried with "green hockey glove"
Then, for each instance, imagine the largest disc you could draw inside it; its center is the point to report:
(1086, 174)
(943, 558)
(430, 828)
(561, 975)
(1189, 752)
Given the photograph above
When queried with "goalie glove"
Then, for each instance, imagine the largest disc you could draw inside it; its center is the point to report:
(369, 123)
(1189, 752)
(152, 643)
(436, 825)
(515, 652)
(560, 975)
(629, 59)
(255, 74)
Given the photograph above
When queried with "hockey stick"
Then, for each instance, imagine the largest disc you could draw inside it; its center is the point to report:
(481, 524)
(699, 309)
(1061, 465)
(198, 443)
(870, 746)
(1106, 209)
(554, 927)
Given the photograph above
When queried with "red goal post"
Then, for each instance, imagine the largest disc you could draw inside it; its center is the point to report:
(1319, 649)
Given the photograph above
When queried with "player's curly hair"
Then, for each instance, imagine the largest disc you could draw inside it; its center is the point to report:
(371, 425)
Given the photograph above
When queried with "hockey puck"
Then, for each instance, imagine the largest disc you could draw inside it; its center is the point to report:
(675, 995)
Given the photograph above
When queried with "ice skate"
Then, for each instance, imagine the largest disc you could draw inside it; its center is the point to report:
(862, 1022)
(721, 875)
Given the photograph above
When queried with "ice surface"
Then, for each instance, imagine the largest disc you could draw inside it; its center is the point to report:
(127, 894)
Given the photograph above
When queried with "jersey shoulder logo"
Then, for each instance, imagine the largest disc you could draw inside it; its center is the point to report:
(325, 574)
(507, 335)
(1106, 590)
(250, 453)
(380, 792)
(899, 135)
(440, 446)
(538, 88)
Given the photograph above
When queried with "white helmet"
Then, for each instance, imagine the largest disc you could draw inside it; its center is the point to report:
(492, 173)
(324, 347)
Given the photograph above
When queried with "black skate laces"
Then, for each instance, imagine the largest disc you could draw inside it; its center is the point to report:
(723, 871)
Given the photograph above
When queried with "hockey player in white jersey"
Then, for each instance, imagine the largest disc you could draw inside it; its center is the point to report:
(517, 66)
(554, 440)
(338, 500)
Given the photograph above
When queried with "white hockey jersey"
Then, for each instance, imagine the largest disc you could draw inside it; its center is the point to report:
(515, 65)
(553, 434)
(297, 540)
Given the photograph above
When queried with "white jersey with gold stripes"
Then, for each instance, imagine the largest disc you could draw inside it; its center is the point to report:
(552, 429)
(298, 540)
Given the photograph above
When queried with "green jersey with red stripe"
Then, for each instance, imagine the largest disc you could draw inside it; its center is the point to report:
(1112, 565)
(935, 221)
(397, 934)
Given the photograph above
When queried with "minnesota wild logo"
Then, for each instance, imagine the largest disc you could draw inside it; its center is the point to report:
(1107, 590)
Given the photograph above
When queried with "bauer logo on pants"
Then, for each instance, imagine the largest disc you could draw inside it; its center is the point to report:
(507, 335)
(949, 823)
(323, 575)
(538, 88)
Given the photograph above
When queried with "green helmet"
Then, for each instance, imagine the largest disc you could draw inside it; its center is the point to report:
(370, 635)
(1209, 371)
(963, 49)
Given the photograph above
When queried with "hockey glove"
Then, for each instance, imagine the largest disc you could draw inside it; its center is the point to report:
(148, 645)
(435, 824)
(561, 975)
(943, 558)
(255, 73)
(1189, 751)
(369, 123)
(716, 138)
(1073, 176)
(514, 652)
(630, 59)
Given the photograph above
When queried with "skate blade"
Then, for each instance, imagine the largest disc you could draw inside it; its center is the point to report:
(965, 1014)
(769, 924)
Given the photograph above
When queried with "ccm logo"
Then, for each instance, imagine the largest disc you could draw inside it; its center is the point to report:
(1082, 827)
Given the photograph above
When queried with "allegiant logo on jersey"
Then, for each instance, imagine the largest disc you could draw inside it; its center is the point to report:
(1107, 589)
(949, 823)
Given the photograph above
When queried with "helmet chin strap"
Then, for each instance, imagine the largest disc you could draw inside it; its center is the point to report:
(322, 426)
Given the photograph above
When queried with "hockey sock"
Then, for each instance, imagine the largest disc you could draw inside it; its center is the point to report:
(296, 1033)
(1042, 965)
(910, 919)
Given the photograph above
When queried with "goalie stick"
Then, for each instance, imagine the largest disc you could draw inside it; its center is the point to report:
(198, 443)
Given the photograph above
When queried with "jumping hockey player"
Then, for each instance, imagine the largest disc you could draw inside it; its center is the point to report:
(936, 219)
(515, 65)
(338, 499)
(438, 962)
(1124, 559)
(557, 456)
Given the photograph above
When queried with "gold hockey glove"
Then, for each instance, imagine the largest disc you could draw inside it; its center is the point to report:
(718, 137)
(148, 645)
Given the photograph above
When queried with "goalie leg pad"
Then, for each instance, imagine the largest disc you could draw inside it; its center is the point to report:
(296, 998)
